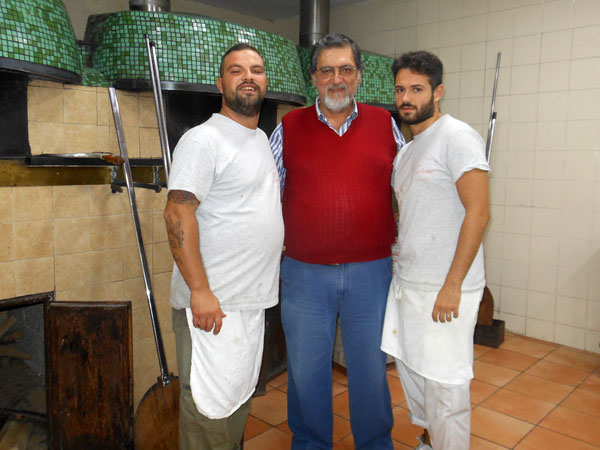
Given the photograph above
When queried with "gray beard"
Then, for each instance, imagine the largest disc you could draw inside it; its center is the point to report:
(337, 105)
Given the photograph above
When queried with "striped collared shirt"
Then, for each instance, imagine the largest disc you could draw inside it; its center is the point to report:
(276, 139)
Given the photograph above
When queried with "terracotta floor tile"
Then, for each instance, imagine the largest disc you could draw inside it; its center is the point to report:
(479, 350)
(270, 408)
(510, 360)
(391, 370)
(540, 388)
(285, 427)
(345, 444)
(396, 390)
(480, 391)
(581, 360)
(403, 430)
(540, 438)
(497, 427)
(283, 388)
(401, 446)
(583, 401)
(557, 372)
(273, 439)
(527, 347)
(337, 388)
(279, 380)
(254, 427)
(574, 424)
(478, 443)
(341, 428)
(339, 375)
(341, 405)
(493, 374)
(518, 406)
(592, 383)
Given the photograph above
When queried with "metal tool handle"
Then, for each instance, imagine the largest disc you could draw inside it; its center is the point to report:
(490, 137)
(164, 371)
(158, 102)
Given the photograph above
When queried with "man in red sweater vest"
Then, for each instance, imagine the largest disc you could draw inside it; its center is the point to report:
(335, 163)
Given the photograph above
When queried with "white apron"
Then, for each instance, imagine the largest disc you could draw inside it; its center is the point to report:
(225, 367)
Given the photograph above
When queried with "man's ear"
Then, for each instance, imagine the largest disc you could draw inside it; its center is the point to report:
(220, 84)
(438, 92)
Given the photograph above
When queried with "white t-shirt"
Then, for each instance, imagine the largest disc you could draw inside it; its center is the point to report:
(431, 213)
(231, 171)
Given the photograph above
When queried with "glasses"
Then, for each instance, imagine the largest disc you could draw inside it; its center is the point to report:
(326, 72)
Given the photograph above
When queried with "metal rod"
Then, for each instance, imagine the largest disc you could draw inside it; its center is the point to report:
(158, 103)
(490, 137)
(138, 233)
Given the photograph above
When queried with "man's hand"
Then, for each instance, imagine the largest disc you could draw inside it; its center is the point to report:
(446, 304)
(206, 311)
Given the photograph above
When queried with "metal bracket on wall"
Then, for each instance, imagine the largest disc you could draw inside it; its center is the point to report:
(117, 184)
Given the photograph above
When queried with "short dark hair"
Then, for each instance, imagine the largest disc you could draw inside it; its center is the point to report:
(422, 62)
(236, 48)
(334, 40)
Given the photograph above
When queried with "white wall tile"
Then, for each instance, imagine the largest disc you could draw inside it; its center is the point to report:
(524, 79)
(497, 190)
(406, 40)
(503, 87)
(428, 11)
(514, 274)
(519, 192)
(528, 20)
(471, 110)
(493, 244)
(406, 14)
(586, 13)
(547, 194)
(585, 42)
(514, 324)
(578, 194)
(545, 222)
(473, 56)
(450, 106)
(541, 306)
(474, 29)
(550, 135)
(594, 286)
(471, 83)
(543, 278)
(571, 311)
(556, 46)
(576, 225)
(583, 134)
(549, 165)
(571, 336)
(593, 316)
(451, 58)
(527, 49)
(500, 25)
(504, 46)
(592, 341)
(544, 250)
(428, 36)
(517, 219)
(513, 301)
(551, 106)
(584, 73)
(474, 7)
(451, 32)
(572, 282)
(452, 85)
(523, 108)
(515, 247)
(584, 105)
(451, 9)
(493, 270)
(558, 15)
(554, 76)
(499, 5)
(540, 329)
(580, 165)
(574, 253)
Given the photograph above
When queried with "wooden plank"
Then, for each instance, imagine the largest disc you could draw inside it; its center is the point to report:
(90, 375)
(4, 326)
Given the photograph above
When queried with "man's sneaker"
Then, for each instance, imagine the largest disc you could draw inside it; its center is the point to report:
(422, 445)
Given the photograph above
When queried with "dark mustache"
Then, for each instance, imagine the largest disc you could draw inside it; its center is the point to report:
(246, 83)
(407, 104)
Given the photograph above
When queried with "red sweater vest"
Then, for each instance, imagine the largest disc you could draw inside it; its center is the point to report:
(337, 204)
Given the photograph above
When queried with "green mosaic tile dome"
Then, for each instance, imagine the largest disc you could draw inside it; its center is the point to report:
(36, 36)
(377, 86)
(188, 48)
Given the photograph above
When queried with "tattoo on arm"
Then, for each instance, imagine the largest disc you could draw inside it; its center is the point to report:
(175, 233)
(183, 198)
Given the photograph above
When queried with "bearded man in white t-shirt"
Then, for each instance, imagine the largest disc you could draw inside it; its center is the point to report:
(441, 183)
(225, 229)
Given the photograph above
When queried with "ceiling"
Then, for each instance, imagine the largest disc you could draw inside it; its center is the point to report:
(269, 9)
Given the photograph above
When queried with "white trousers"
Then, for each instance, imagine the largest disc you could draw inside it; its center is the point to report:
(443, 409)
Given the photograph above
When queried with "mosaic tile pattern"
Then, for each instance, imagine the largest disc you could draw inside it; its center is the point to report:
(188, 48)
(377, 81)
(39, 32)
